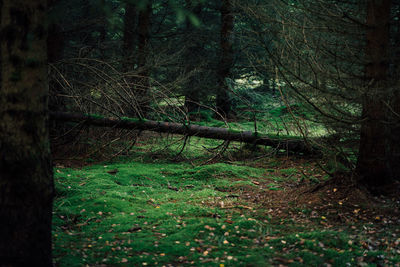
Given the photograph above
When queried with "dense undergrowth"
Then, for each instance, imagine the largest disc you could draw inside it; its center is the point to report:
(149, 211)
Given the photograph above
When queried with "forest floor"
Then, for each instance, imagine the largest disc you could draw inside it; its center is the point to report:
(277, 211)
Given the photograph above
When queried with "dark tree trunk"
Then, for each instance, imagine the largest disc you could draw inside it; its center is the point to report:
(142, 83)
(393, 147)
(129, 37)
(86, 38)
(26, 184)
(55, 49)
(55, 43)
(129, 57)
(393, 153)
(192, 58)
(143, 33)
(372, 162)
(101, 42)
(224, 69)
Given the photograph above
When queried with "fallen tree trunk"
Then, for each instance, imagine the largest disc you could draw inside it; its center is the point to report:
(292, 145)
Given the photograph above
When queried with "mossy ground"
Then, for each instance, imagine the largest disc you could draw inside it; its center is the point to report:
(139, 212)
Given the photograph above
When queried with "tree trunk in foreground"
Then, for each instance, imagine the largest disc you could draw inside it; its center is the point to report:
(26, 180)
(292, 145)
(393, 154)
(372, 162)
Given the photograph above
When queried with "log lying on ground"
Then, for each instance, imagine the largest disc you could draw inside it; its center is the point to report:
(292, 145)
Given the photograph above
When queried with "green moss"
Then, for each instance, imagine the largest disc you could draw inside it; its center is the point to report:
(95, 116)
(164, 213)
(231, 130)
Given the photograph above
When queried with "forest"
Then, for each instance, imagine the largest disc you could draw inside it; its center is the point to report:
(199, 133)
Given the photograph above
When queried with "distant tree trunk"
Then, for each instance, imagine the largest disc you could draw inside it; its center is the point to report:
(55, 43)
(55, 49)
(143, 82)
(224, 69)
(129, 56)
(372, 163)
(129, 37)
(86, 38)
(192, 92)
(101, 42)
(26, 184)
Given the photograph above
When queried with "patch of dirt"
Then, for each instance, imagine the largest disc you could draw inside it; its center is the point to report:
(330, 203)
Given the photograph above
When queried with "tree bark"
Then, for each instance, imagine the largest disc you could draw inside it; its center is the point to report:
(102, 29)
(224, 69)
(129, 37)
(142, 83)
(193, 54)
(129, 55)
(55, 49)
(292, 145)
(26, 184)
(372, 162)
(393, 153)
